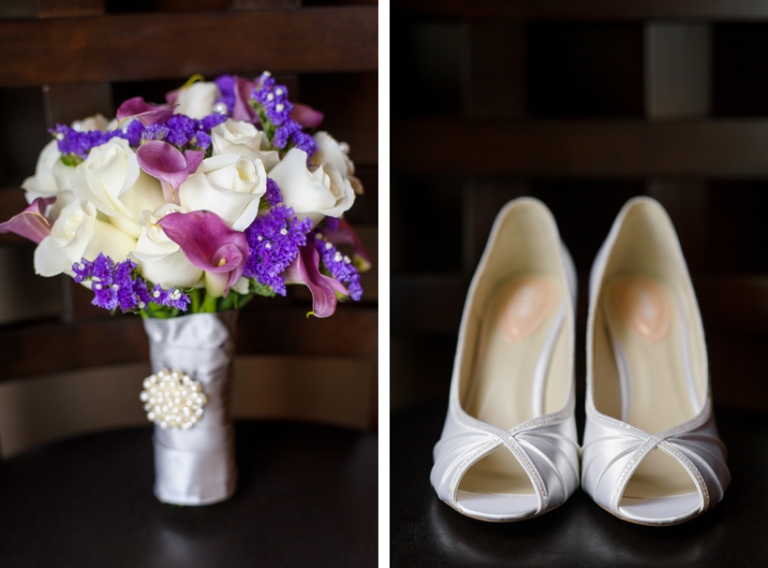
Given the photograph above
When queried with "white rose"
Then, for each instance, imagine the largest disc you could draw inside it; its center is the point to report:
(230, 185)
(333, 152)
(111, 179)
(197, 100)
(51, 174)
(161, 260)
(240, 137)
(314, 194)
(77, 234)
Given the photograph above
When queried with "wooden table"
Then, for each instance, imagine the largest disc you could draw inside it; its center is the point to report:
(426, 532)
(307, 496)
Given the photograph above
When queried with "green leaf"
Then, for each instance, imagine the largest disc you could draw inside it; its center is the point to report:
(71, 160)
(262, 290)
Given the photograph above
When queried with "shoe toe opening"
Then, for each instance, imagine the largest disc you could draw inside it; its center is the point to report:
(497, 507)
(661, 510)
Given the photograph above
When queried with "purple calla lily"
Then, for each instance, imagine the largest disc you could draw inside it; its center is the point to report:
(303, 270)
(169, 165)
(306, 115)
(143, 111)
(210, 245)
(243, 109)
(30, 223)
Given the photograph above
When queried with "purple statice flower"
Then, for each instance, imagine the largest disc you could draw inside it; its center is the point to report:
(273, 242)
(226, 84)
(181, 129)
(184, 132)
(273, 195)
(172, 298)
(117, 285)
(202, 140)
(73, 142)
(154, 132)
(133, 132)
(284, 133)
(304, 142)
(340, 266)
(208, 123)
(332, 224)
(78, 143)
(273, 99)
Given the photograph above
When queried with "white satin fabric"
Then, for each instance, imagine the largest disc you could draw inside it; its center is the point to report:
(613, 449)
(546, 446)
(196, 466)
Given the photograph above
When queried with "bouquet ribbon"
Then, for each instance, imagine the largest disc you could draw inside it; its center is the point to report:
(196, 466)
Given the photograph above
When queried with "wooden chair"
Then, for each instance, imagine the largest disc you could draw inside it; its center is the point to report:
(76, 482)
(69, 60)
(583, 104)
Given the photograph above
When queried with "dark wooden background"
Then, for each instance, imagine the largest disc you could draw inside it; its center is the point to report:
(583, 105)
(64, 60)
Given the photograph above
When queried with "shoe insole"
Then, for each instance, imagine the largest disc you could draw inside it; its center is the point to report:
(651, 351)
(516, 327)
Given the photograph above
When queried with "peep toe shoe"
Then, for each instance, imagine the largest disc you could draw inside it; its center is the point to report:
(651, 452)
(509, 449)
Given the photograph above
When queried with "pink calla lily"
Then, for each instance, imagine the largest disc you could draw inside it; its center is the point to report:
(210, 245)
(30, 223)
(243, 109)
(346, 235)
(306, 115)
(165, 162)
(143, 111)
(304, 270)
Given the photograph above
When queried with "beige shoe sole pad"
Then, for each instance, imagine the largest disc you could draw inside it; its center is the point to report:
(650, 349)
(521, 329)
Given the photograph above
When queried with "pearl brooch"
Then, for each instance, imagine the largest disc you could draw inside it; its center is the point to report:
(172, 399)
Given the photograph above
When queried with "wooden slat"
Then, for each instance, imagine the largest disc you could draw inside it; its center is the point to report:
(52, 347)
(496, 83)
(483, 199)
(690, 207)
(678, 62)
(427, 303)
(433, 303)
(266, 4)
(69, 8)
(132, 47)
(583, 148)
(588, 9)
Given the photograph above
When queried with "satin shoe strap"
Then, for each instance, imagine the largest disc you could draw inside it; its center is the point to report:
(638, 444)
(496, 437)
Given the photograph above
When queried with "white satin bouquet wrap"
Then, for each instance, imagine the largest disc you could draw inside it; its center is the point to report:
(196, 466)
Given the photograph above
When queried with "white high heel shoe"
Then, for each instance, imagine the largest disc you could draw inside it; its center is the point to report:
(651, 452)
(509, 448)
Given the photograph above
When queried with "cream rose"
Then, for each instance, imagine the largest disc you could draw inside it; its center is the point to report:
(240, 137)
(51, 174)
(111, 179)
(161, 260)
(229, 185)
(77, 234)
(315, 193)
(197, 100)
(329, 151)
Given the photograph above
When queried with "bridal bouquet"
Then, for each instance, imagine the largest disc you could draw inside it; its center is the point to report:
(197, 204)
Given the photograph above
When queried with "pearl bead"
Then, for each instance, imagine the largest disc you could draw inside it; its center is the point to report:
(173, 399)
